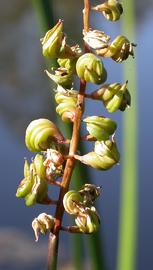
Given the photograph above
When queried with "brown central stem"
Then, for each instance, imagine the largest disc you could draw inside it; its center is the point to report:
(54, 235)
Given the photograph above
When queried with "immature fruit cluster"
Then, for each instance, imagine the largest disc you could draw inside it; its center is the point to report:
(43, 136)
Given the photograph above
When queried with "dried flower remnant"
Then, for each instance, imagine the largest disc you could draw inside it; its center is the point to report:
(42, 224)
(96, 39)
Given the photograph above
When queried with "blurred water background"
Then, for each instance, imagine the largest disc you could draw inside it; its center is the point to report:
(25, 95)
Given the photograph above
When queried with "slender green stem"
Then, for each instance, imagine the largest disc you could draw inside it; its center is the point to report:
(128, 203)
(52, 251)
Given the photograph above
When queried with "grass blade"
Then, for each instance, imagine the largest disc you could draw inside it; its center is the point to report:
(126, 258)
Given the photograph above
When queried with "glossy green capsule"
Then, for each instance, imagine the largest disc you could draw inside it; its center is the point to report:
(114, 96)
(91, 69)
(100, 127)
(112, 10)
(89, 221)
(52, 41)
(26, 184)
(121, 48)
(69, 200)
(66, 106)
(40, 133)
(104, 156)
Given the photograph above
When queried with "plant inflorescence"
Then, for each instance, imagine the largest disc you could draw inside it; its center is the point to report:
(56, 155)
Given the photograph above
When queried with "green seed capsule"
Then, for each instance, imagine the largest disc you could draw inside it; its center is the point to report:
(40, 133)
(67, 106)
(30, 199)
(114, 96)
(100, 127)
(26, 184)
(111, 10)
(39, 166)
(89, 221)
(104, 156)
(24, 187)
(91, 69)
(52, 41)
(121, 48)
(69, 200)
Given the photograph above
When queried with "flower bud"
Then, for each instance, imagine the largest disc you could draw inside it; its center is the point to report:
(52, 41)
(40, 133)
(70, 200)
(67, 105)
(96, 39)
(90, 68)
(88, 221)
(62, 77)
(111, 10)
(104, 156)
(100, 127)
(114, 96)
(42, 224)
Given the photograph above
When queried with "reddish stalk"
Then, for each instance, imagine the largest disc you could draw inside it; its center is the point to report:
(54, 235)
